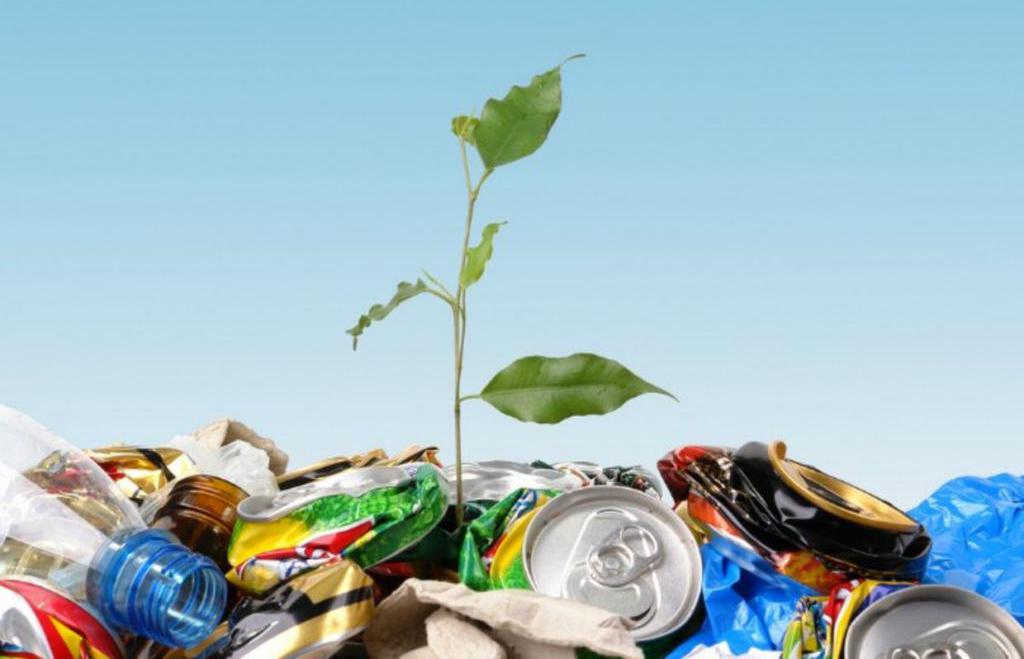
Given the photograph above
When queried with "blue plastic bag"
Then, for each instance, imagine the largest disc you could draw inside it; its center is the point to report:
(747, 607)
(977, 530)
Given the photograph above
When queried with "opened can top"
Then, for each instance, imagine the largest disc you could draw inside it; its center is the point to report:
(934, 621)
(618, 549)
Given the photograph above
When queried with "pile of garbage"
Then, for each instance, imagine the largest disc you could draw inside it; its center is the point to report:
(207, 546)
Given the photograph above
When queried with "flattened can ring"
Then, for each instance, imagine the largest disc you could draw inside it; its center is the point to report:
(620, 550)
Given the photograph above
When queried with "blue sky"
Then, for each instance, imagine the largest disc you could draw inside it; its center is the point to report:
(804, 219)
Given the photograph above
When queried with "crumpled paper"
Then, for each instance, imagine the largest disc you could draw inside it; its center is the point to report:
(439, 620)
(224, 431)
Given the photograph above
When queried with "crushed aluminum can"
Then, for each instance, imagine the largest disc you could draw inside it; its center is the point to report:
(636, 476)
(820, 623)
(493, 480)
(809, 525)
(367, 515)
(491, 533)
(934, 622)
(618, 549)
(139, 472)
(313, 615)
(38, 621)
(374, 457)
(507, 570)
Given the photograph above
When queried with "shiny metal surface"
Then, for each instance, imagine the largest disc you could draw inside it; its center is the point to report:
(837, 496)
(618, 549)
(492, 480)
(934, 622)
(591, 473)
(353, 482)
(20, 627)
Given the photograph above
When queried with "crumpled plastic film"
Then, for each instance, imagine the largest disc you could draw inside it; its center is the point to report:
(746, 609)
(977, 529)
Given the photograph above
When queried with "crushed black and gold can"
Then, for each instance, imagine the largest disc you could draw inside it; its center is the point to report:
(809, 525)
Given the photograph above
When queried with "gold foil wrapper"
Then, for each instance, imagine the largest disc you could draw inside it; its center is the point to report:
(139, 472)
(371, 458)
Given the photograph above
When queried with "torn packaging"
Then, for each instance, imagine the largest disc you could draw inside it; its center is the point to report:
(525, 624)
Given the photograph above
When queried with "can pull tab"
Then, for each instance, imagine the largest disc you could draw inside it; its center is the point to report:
(958, 643)
(623, 555)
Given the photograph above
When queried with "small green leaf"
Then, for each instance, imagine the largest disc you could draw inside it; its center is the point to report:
(477, 257)
(552, 389)
(517, 125)
(464, 126)
(378, 312)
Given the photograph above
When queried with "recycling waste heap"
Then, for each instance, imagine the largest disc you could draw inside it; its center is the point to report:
(207, 546)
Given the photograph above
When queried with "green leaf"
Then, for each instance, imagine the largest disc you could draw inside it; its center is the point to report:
(378, 312)
(552, 389)
(464, 126)
(477, 257)
(517, 125)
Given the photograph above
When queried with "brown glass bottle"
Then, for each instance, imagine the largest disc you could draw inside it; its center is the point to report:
(201, 511)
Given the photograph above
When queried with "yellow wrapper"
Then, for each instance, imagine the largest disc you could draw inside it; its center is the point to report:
(139, 472)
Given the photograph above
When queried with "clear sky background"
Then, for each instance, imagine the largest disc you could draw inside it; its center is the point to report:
(802, 218)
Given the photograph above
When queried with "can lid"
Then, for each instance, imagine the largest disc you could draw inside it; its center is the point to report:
(934, 621)
(838, 497)
(618, 549)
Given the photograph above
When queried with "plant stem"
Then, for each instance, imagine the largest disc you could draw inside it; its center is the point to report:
(459, 323)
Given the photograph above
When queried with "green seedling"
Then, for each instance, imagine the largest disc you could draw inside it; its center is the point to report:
(536, 389)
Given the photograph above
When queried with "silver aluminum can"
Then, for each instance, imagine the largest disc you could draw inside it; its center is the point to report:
(934, 622)
(353, 482)
(493, 480)
(620, 550)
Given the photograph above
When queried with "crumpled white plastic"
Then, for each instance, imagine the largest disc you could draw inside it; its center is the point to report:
(722, 651)
(238, 462)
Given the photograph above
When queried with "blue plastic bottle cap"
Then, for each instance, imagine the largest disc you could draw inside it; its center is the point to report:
(149, 584)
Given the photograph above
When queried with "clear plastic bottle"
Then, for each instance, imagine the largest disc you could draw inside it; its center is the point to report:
(63, 520)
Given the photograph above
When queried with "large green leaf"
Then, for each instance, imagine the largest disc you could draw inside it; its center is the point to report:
(552, 389)
(477, 257)
(517, 125)
(377, 312)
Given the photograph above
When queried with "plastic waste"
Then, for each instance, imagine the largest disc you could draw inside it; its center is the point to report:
(63, 520)
(236, 462)
(748, 609)
(977, 526)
